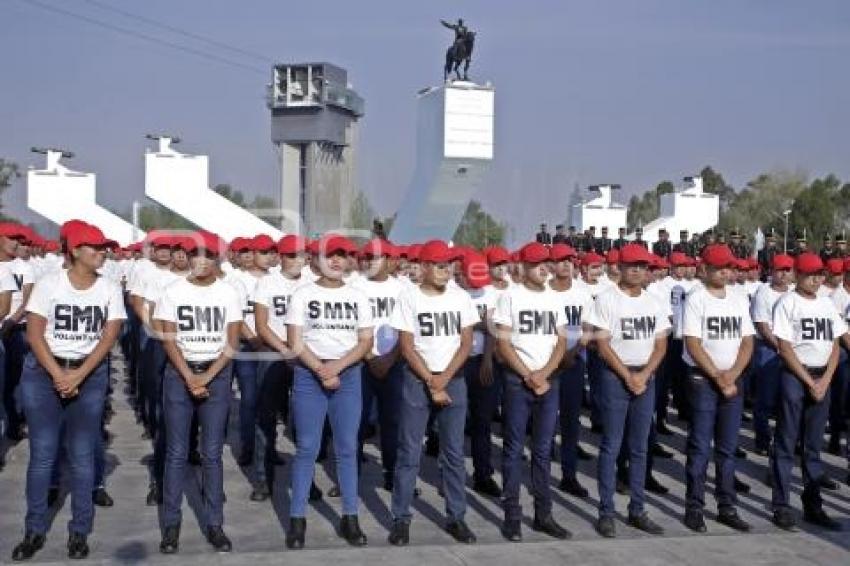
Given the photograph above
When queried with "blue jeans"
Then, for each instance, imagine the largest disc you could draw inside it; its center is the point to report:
(273, 380)
(571, 385)
(3, 417)
(16, 349)
(595, 367)
(520, 405)
(713, 417)
(629, 415)
(179, 407)
(838, 396)
(799, 415)
(311, 403)
(46, 415)
(483, 402)
(246, 377)
(767, 378)
(415, 408)
(387, 393)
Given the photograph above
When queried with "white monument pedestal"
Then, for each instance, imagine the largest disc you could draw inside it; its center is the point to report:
(600, 211)
(454, 150)
(687, 208)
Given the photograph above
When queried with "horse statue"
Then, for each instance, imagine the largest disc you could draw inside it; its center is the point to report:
(460, 52)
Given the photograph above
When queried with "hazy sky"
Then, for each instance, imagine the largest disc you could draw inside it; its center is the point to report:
(586, 91)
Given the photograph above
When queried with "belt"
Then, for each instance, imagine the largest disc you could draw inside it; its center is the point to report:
(68, 363)
(200, 367)
(816, 372)
(636, 368)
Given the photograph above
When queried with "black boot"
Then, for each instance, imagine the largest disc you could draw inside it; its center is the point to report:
(295, 533)
(170, 543)
(78, 547)
(349, 528)
(218, 540)
(27, 548)
(399, 533)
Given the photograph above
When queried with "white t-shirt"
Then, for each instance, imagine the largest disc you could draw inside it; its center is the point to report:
(157, 282)
(75, 318)
(202, 314)
(23, 274)
(436, 322)
(825, 291)
(382, 297)
(841, 300)
(249, 283)
(534, 318)
(484, 300)
(138, 278)
(633, 322)
(274, 291)
(576, 303)
(675, 291)
(763, 304)
(810, 325)
(720, 324)
(330, 317)
(7, 280)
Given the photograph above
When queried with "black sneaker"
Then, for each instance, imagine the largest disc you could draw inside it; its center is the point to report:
(652, 485)
(828, 483)
(78, 547)
(732, 520)
(817, 516)
(784, 519)
(460, 532)
(605, 527)
(170, 543)
(488, 487)
(315, 493)
(27, 548)
(52, 496)
(100, 498)
(399, 533)
(741, 487)
(349, 528)
(660, 452)
(512, 530)
(643, 523)
(571, 486)
(583, 454)
(295, 533)
(261, 492)
(740, 453)
(695, 521)
(548, 526)
(154, 497)
(218, 540)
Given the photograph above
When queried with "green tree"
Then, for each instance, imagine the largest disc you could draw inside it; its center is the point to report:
(713, 182)
(362, 214)
(815, 209)
(762, 202)
(8, 172)
(234, 196)
(478, 229)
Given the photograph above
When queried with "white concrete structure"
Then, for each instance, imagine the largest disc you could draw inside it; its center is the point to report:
(599, 211)
(687, 208)
(454, 150)
(180, 181)
(61, 194)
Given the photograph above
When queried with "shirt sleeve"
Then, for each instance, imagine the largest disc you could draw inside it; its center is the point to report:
(39, 301)
(116, 303)
(782, 324)
(233, 308)
(502, 314)
(403, 318)
(760, 312)
(692, 325)
(7, 280)
(164, 309)
(295, 311)
(364, 311)
(664, 312)
(27, 274)
(598, 316)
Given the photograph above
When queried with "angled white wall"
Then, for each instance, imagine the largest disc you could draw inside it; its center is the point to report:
(180, 182)
(61, 194)
(686, 208)
(599, 211)
(454, 150)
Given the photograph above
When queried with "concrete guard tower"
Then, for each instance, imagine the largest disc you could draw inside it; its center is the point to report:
(687, 208)
(599, 211)
(314, 113)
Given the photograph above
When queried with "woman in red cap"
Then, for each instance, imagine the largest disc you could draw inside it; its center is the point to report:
(74, 318)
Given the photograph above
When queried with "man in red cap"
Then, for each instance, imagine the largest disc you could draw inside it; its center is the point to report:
(768, 366)
(531, 339)
(718, 335)
(808, 329)
(837, 410)
(630, 328)
(591, 273)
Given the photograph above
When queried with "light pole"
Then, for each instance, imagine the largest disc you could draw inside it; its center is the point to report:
(786, 214)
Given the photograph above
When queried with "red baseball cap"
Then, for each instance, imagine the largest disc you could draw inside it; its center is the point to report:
(753, 264)
(51, 246)
(678, 259)
(291, 244)
(719, 255)
(808, 263)
(847, 265)
(240, 244)
(476, 270)
(592, 258)
(835, 266)
(204, 240)
(312, 247)
(160, 240)
(782, 261)
(87, 235)
(413, 252)
(67, 228)
(377, 248)
(534, 252)
(560, 252)
(333, 244)
(657, 262)
(612, 257)
(634, 253)
(496, 255)
(436, 251)
(262, 243)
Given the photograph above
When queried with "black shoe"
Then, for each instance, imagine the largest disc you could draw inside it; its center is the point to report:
(399, 533)
(315, 493)
(349, 528)
(605, 527)
(16, 434)
(695, 521)
(583, 454)
(512, 530)
(261, 492)
(460, 532)
(388, 482)
(834, 446)
(487, 487)
(100, 498)
(432, 447)
(662, 428)
(154, 495)
(652, 485)
(644, 523)
(732, 520)
(246, 458)
(52, 496)
(784, 519)
(78, 547)
(170, 543)
(571, 486)
(827, 483)
(195, 458)
(660, 452)
(277, 459)
(740, 453)
(548, 526)
(746, 418)
(622, 486)
(741, 487)
(761, 451)
(817, 516)
(596, 429)
(295, 533)
(27, 548)
(218, 540)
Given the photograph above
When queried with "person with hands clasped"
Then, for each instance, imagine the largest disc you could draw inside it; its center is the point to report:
(807, 328)
(531, 339)
(718, 344)
(435, 323)
(74, 318)
(630, 331)
(199, 318)
(329, 329)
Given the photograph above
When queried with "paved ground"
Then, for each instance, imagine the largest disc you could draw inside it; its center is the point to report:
(129, 533)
